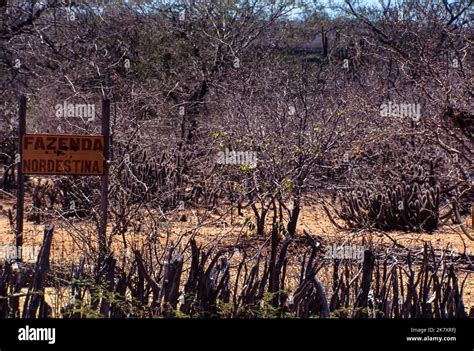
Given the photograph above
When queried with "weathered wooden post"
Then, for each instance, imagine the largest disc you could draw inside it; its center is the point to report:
(367, 269)
(104, 201)
(20, 194)
(324, 42)
(32, 302)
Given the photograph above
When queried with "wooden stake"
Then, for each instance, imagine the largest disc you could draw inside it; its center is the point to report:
(20, 195)
(104, 200)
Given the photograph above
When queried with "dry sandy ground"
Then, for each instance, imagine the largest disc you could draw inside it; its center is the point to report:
(67, 243)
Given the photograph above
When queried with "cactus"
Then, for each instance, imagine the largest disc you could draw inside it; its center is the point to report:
(411, 205)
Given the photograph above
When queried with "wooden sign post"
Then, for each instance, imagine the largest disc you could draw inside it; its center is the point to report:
(104, 198)
(20, 194)
(59, 154)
